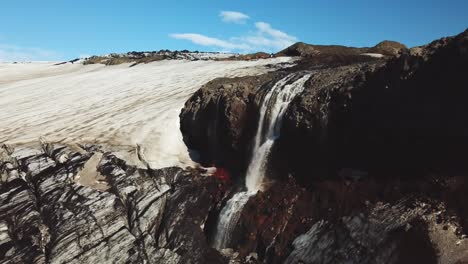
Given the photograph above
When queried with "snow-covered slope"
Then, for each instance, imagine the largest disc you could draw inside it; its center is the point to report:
(117, 106)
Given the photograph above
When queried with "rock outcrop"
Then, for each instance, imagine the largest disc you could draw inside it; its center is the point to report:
(331, 54)
(402, 117)
(136, 57)
(145, 216)
(386, 234)
(307, 50)
(352, 114)
(49, 215)
(388, 48)
(272, 220)
(219, 120)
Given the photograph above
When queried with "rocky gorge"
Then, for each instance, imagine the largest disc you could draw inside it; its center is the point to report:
(366, 165)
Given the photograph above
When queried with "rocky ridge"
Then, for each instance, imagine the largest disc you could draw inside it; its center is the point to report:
(146, 216)
(137, 57)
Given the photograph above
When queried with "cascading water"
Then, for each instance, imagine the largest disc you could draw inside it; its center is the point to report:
(277, 102)
(228, 219)
(273, 107)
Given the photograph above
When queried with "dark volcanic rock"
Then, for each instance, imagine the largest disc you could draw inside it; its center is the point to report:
(388, 48)
(272, 220)
(186, 213)
(378, 236)
(366, 141)
(219, 119)
(307, 50)
(402, 117)
(147, 216)
(330, 55)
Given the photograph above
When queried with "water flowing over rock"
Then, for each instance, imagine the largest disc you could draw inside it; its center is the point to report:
(271, 113)
(217, 120)
(228, 218)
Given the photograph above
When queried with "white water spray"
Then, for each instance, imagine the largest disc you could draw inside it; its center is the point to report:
(274, 106)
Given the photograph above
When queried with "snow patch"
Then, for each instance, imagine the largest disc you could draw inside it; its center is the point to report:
(373, 55)
(116, 106)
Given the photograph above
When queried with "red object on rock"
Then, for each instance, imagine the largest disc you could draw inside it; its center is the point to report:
(222, 174)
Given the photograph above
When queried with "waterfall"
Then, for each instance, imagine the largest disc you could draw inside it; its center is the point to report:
(228, 219)
(276, 102)
(272, 110)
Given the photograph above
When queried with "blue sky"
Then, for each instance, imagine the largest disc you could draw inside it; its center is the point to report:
(61, 29)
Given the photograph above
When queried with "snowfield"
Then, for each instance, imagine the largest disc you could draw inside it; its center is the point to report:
(116, 106)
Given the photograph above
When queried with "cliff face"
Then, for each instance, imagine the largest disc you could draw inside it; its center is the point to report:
(404, 112)
(83, 206)
(369, 141)
(404, 115)
(220, 118)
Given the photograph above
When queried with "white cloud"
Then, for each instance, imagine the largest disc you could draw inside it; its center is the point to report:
(233, 17)
(276, 34)
(268, 38)
(208, 41)
(12, 53)
(263, 38)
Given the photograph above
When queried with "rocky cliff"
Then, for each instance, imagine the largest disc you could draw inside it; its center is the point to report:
(53, 211)
(402, 116)
(351, 114)
(220, 118)
(369, 166)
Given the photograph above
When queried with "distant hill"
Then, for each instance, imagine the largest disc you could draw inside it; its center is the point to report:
(386, 48)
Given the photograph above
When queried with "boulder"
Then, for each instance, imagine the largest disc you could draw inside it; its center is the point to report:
(384, 234)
